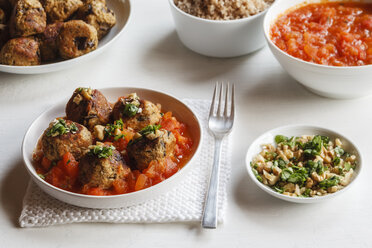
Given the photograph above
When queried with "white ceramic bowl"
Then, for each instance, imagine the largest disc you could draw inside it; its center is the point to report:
(328, 81)
(217, 38)
(169, 103)
(122, 10)
(298, 130)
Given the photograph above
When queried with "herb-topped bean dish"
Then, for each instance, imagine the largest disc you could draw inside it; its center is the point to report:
(305, 166)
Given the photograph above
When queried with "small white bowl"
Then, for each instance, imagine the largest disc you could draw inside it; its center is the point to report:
(122, 10)
(328, 81)
(168, 103)
(299, 130)
(219, 38)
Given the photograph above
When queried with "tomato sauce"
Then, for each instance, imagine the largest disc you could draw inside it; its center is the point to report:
(64, 173)
(327, 33)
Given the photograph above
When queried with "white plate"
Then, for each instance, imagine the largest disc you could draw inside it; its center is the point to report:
(298, 130)
(169, 103)
(122, 10)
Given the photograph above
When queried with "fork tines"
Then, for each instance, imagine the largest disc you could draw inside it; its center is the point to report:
(223, 97)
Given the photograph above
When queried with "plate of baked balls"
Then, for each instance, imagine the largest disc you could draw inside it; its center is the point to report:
(112, 147)
(40, 36)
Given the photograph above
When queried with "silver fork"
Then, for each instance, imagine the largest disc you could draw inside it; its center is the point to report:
(220, 124)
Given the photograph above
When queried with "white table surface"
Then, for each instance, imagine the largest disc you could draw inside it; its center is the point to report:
(149, 54)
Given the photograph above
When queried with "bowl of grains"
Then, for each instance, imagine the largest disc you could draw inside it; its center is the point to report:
(220, 28)
(303, 164)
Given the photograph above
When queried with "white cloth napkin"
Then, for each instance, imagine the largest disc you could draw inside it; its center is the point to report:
(184, 203)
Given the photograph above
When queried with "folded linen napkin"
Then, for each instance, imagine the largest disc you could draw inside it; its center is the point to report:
(184, 203)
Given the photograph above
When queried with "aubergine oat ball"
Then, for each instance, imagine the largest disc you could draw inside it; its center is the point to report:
(48, 42)
(21, 51)
(61, 10)
(28, 18)
(88, 107)
(101, 166)
(97, 14)
(76, 39)
(64, 136)
(136, 113)
(147, 147)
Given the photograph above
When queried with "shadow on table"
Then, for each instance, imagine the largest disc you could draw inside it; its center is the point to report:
(177, 58)
(13, 189)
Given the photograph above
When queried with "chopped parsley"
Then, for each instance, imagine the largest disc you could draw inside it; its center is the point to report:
(286, 141)
(255, 172)
(149, 129)
(327, 183)
(339, 151)
(314, 147)
(101, 151)
(60, 127)
(294, 174)
(130, 110)
(347, 166)
(315, 167)
(110, 130)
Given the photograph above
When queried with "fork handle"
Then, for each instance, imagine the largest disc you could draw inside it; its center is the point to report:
(210, 208)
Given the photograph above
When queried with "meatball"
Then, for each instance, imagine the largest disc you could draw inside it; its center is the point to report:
(64, 136)
(101, 166)
(88, 107)
(21, 51)
(135, 113)
(48, 41)
(97, 14)
(28, 18)
(61, 10)
(149, 146)
(76, 39)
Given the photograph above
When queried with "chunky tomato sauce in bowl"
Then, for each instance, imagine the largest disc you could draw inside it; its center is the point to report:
(325, 45)
(63, 178)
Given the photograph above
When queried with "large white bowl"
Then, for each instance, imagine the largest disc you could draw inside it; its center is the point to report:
(299, 130)
(217, 38)
(122, 10)
(168, 103)
(328, 81)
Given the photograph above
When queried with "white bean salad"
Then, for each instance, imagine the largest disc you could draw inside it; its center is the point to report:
(305, 166)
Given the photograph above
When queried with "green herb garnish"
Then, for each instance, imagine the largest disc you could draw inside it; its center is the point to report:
(101, 151)
(60, 127)
(110, 128)
(327, 183)
(149, 129)
(315, 166)
(255, 172)
(339, 151)
(130, 110)
(347, 166)
(306, 193)
(336, 161)
(285, 140)
(278, 189)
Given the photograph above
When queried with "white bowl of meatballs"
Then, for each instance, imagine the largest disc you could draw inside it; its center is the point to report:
(110, 148)
(40, 36)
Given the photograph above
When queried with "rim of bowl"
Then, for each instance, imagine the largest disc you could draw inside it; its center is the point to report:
(275, 131)
(173, 5)
(315, 65)
(43, 66)
(28, 162)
